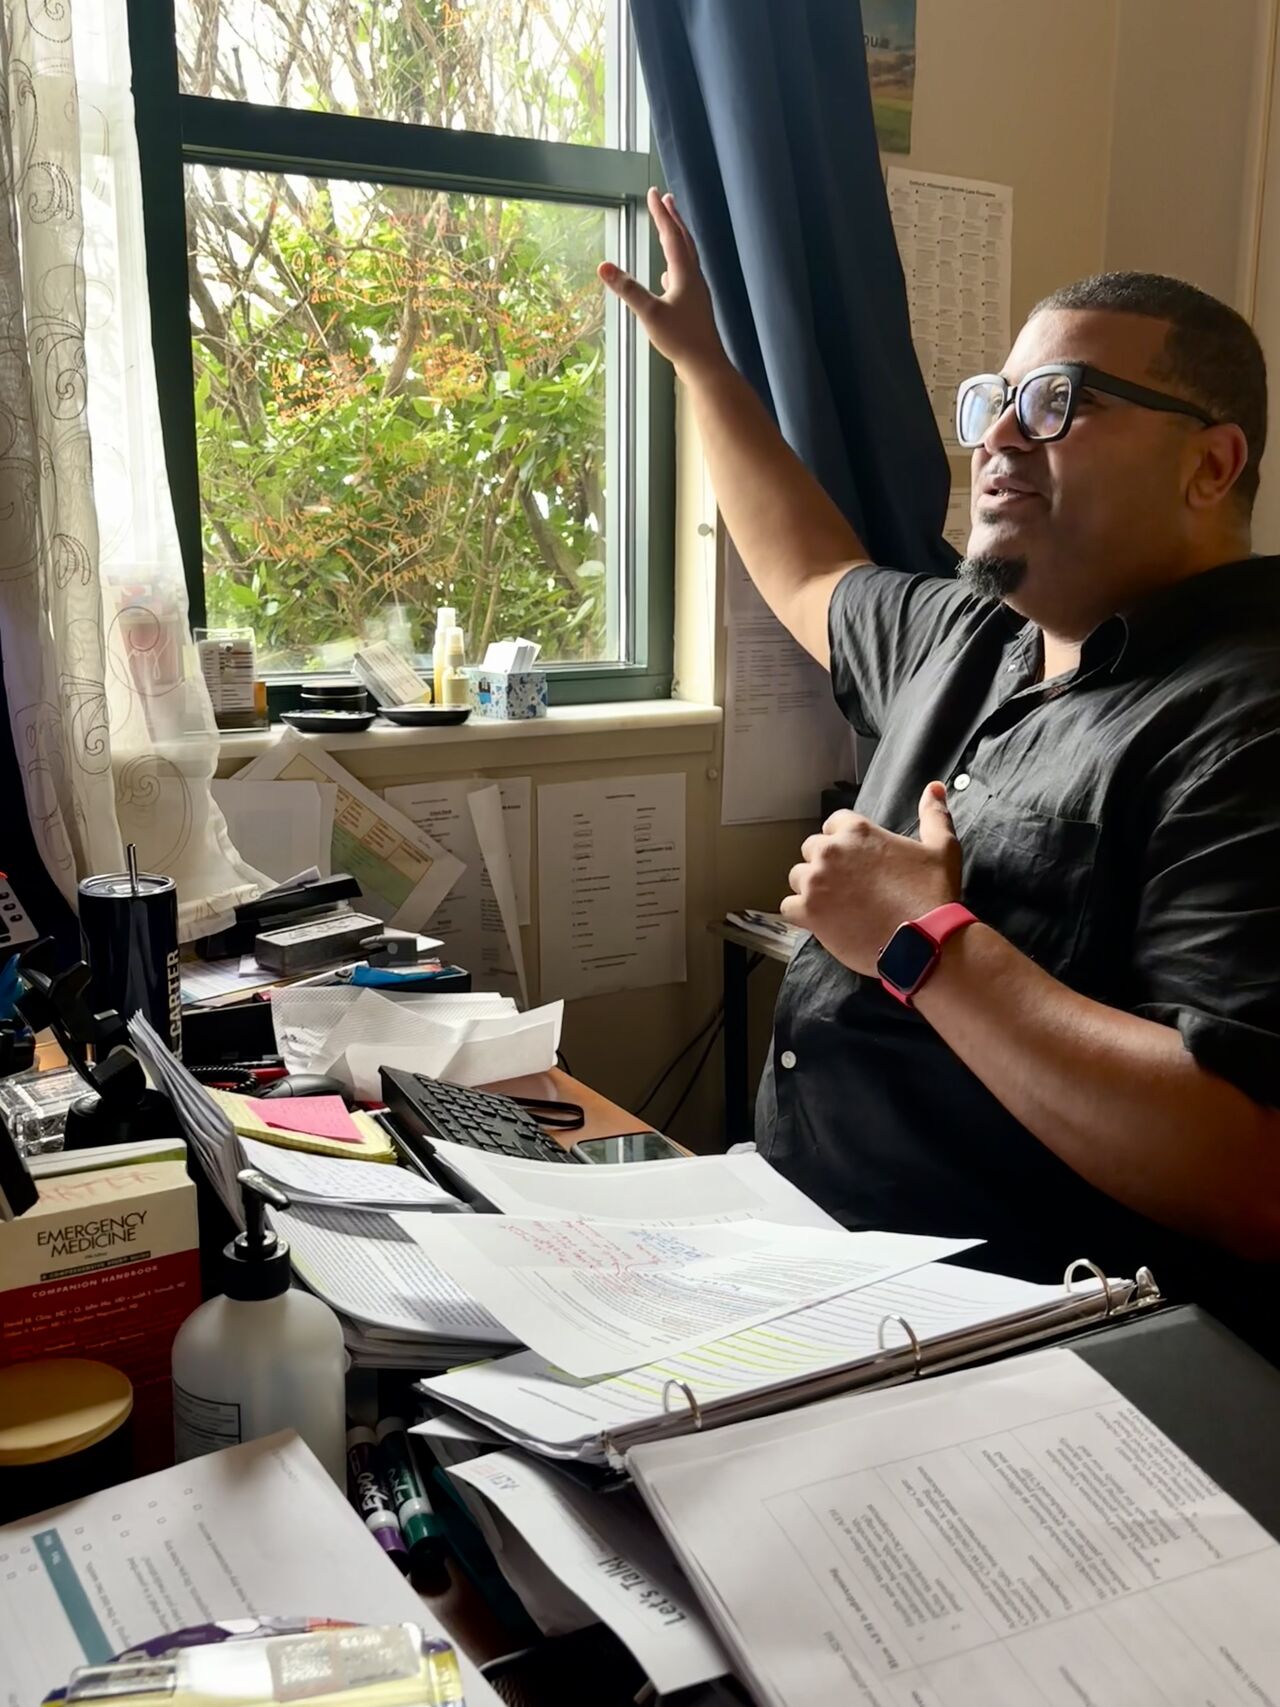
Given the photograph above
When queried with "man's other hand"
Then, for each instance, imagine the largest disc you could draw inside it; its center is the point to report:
(856, 883)
(680, 323)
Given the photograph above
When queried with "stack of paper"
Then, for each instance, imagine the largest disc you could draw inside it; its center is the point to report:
(350, 1034)
(398, 1309)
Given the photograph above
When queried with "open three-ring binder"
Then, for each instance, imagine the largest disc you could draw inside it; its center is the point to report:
(1100, 1299)
(935, 1317)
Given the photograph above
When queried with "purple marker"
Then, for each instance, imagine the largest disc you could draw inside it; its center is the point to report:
(368, 1492)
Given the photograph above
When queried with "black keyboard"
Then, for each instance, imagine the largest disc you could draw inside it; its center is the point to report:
(428, 1109)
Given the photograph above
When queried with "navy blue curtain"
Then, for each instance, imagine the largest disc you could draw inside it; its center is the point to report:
(762, 118)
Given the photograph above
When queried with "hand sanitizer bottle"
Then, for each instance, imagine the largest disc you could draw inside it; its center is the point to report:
(263, 1356)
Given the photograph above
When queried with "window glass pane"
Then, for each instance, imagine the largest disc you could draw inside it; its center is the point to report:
(400, 403)
(514, 67)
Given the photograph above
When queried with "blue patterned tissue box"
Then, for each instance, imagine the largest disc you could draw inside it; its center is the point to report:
(497, 693)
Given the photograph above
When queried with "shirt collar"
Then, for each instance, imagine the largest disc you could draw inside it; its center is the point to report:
(1229, 596)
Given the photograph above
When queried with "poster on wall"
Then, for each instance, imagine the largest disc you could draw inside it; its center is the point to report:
(889, 33)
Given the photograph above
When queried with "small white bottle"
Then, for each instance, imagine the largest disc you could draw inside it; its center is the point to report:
(455, 682)
(263, 1356)
(446, 616)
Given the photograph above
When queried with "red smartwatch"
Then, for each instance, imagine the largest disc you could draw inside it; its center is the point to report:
(912, 952)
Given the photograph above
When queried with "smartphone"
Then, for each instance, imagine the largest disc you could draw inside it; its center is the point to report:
(630, 1147)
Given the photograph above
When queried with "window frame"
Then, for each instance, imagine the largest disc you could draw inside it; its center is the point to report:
(175, 130)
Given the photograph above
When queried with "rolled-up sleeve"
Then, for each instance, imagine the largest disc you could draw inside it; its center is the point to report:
(882, 624)
(1207, 951)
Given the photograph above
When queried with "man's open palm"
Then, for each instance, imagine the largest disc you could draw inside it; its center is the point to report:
(680, 323)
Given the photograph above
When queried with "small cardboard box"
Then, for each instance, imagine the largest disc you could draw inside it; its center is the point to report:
(106, 1265)
(507, 694)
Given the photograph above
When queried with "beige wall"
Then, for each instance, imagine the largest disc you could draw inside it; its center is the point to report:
(1188, 84)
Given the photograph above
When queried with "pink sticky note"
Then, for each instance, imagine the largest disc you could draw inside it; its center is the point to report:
(313, 1117)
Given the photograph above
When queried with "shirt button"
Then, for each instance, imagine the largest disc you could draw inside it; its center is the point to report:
(788, 1058)
(961, 782)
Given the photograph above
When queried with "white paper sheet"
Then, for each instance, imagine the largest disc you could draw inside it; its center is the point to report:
(480, 917)
(402, 873)
(529, 1399)
(479, 1053)
(304, 1015)
(785, 739)
(606, 1550)
(696, 1188)
(955, 237)
(611, 884)
(256, 1530)
(1016, 1534)
(279, 827)
(597, 1297)
(374, 1267)
(326, 1179)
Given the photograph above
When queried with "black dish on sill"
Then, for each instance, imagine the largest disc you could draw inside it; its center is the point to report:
(426, 716)
(318, 722)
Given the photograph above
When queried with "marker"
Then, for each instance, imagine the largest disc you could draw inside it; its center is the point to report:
(370, 1497)
(422, 1528)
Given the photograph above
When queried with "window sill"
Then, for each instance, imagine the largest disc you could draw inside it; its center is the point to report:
(562, 720)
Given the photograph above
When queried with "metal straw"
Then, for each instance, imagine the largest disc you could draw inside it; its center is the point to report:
(131, 855)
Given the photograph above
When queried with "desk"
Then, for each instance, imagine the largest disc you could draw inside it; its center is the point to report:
(738, 948)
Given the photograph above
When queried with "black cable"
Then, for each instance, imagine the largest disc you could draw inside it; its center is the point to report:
(671, 1066)
(717, 1015)
(702, 1061)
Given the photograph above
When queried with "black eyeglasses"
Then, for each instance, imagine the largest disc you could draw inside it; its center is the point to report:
(1045, 401)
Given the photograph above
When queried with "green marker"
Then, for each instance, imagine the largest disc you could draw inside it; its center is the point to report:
(421, 1527)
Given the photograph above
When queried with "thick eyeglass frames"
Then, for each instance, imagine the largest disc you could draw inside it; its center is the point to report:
(1045, 401)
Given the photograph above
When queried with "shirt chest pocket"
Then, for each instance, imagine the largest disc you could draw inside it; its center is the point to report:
(1029, 876)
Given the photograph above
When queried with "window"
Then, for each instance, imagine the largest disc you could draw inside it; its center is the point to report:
(390, 378)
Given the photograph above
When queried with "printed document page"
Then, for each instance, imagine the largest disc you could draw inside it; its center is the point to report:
(1020, 1534)
(955, 237)
(375, 1267)
(479, 919)
(605, 1550)
(255, 1531)
(597, 1297)
(611, 884)
(694, 1188)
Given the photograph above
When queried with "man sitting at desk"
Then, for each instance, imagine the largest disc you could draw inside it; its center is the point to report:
(1079, 740)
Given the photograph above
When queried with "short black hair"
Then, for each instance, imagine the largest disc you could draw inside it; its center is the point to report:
(1211, 353)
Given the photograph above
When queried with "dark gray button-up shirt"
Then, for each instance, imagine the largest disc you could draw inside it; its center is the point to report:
(1120, 825)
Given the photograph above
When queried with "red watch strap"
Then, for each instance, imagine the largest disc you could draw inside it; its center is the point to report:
(943, 922)
(935, 926)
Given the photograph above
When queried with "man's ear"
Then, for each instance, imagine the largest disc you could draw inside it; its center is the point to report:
(1220, 457)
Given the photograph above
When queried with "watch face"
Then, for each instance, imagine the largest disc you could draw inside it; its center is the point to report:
(907, 956)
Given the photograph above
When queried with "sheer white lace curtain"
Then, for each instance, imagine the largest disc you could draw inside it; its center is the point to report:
(111, 721)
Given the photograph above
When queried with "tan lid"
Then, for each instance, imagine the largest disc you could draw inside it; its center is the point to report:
(59, 1405)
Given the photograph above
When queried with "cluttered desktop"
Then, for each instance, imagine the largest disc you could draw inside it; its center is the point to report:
(352, 1351)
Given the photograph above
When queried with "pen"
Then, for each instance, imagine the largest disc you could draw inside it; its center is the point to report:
(370, 1497)
(422, 1528)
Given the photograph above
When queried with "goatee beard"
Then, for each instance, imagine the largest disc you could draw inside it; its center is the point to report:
(992, 577)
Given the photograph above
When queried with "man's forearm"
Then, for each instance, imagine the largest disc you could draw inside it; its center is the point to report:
(789, 534)
(1118, 1098)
